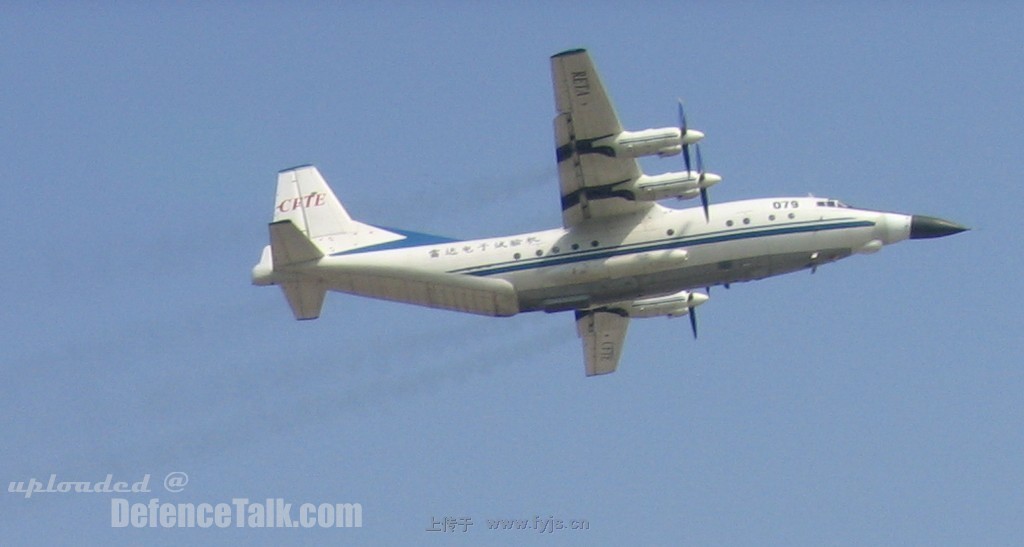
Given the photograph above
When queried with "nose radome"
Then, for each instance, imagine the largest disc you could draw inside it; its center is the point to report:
(925, 227)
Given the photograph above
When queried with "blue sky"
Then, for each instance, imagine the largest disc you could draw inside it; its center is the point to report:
(877, 401)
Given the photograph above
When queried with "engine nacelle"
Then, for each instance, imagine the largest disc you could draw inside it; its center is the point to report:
(673, 305)
(664, 142)
(678, 184)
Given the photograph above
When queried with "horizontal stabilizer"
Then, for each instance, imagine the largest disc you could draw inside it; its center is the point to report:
(306, 298)
(290, 246)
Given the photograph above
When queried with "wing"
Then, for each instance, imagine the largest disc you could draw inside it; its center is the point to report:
(602, 332)
(590, 175)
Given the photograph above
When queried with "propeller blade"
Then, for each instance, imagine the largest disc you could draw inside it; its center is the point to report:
(700, 180)
(704, 202)
(682, 117)
(682, 136)
(692, 312)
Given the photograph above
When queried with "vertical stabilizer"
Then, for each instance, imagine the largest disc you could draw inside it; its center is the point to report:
(304, 198)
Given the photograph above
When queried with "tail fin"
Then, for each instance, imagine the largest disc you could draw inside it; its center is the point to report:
(304, 198)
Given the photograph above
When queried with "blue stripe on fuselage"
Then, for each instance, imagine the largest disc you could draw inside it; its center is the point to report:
(714, 237)
(411, 239)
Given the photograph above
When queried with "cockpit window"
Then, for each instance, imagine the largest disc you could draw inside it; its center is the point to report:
(832, 203)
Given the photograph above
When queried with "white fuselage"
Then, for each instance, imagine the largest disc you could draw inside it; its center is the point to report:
(619, 255)
(664, 251)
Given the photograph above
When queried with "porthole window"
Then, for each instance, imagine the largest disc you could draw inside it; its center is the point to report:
(517, 256)
(671, 232)
(746, 221)
(575, 246)
(540, 252)
(728, 223)
(771, 217)
(594, 243)
(555, 250)
(791, 215)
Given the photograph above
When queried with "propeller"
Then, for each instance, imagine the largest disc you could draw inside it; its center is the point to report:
(700, 182)
(692, 301)
(686, 158)
(682, 136)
